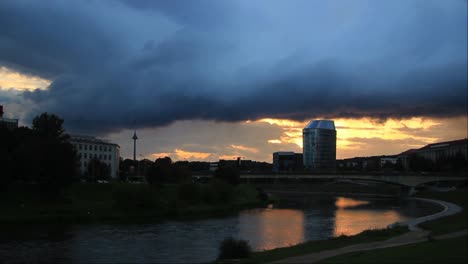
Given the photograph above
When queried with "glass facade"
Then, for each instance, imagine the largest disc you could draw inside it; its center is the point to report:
(319, 145)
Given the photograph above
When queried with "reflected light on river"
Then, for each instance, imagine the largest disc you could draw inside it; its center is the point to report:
(342, 202)
(272, 228)
(350, 221)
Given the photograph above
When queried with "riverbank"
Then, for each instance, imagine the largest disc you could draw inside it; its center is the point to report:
(125, 203)
(333, 247)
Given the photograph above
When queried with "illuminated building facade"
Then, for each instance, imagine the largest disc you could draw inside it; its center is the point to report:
(319, 145)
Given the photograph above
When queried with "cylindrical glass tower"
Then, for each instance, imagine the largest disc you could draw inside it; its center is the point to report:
(319, 145)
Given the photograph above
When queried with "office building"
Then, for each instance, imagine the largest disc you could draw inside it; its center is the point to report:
(437, 152)
(88, 148)
(319, 145)
(287, 161)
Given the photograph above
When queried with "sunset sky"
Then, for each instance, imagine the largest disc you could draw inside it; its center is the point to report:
(208, 79)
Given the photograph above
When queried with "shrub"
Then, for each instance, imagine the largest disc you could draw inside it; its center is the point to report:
(189, 192)
(216, 192)
(234, 248)
(134, 197)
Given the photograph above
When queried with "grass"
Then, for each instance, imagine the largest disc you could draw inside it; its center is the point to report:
(316, 246)
(123, 202)
(450, 223)
(454, 250)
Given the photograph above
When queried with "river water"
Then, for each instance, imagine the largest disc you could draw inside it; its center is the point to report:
(289, 223)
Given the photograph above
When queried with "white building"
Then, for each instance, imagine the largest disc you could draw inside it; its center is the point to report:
(88, 147)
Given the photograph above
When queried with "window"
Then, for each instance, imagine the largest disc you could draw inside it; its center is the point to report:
(100, 148)
(100, 156)
(86, 147)
(86, 155)
(80, 147)
(95, 147)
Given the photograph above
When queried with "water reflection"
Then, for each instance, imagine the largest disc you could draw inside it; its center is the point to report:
(272, 228)
(306, 218)
(342, 202)
(350, 222)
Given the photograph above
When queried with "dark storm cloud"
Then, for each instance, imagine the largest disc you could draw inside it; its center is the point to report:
(119, 64)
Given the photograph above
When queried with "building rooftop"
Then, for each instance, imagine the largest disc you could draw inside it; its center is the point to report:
(445, 144)
(284, 153)
(321, 124)
(90, 139)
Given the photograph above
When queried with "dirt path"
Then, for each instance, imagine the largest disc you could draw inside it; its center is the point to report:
(414, 236)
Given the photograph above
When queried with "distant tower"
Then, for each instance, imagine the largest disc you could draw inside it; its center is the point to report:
(134, 145)
(319, 145)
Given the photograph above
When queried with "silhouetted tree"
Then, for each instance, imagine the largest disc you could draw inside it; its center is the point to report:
(49, 127)
(181, 172)
(98, 170)
(159, 172)
(55, 155)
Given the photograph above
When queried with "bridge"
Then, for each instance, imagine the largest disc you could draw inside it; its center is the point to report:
(403, 180)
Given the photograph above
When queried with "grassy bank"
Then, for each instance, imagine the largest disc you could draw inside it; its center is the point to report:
(452, 250)
(123, 202)
(320, 245)
(450, 223)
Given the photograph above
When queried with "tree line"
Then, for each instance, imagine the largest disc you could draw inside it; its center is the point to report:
(41, 155)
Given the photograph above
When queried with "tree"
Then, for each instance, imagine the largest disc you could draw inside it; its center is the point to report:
(181, 172)
(49, 126)
(159, 172)
(98, 170)
(53, 156)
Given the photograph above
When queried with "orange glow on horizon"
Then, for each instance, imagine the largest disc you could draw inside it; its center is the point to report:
(355, 135)
(244, 148)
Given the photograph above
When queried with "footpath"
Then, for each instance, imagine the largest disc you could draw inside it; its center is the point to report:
(415, 235)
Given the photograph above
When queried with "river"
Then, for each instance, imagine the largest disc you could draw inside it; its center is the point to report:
(288, 223)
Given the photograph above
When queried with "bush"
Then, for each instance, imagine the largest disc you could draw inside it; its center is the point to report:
(189, 192)
(216, 192)
(233, 248)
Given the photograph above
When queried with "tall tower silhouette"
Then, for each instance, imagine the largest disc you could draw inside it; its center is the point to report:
(134, 145)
